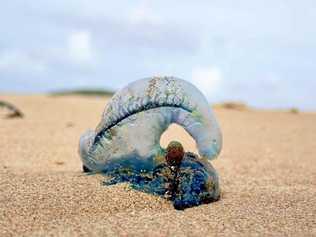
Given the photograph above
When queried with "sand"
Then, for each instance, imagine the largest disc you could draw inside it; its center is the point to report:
(267, 174)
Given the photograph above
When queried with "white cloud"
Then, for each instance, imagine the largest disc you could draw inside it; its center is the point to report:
(143, 14)
(18, 61)
(79, 46)
(207, 79)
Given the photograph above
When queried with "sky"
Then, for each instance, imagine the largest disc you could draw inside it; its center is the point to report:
(261, 52)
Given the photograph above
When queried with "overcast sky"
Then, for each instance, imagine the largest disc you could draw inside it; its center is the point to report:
(259, 52)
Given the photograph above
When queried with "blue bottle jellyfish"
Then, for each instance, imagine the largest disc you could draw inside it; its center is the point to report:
(126, 144)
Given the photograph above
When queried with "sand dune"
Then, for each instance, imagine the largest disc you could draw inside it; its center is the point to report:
(267, 173)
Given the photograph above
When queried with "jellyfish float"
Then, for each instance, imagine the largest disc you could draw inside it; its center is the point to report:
(125, 146)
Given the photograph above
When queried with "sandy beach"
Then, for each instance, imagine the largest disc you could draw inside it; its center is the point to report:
(267, 174)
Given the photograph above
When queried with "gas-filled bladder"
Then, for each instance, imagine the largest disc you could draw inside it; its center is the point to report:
(125, 146)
